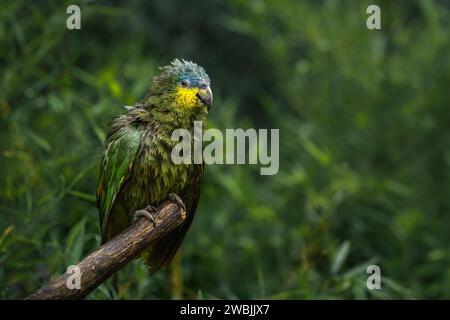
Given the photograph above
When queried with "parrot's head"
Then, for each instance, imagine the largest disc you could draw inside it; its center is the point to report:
(183, 86)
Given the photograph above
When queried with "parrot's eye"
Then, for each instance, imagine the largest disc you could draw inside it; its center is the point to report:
(184, 83)
(203, 86)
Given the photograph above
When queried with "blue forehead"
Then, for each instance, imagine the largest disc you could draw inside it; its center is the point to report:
(194, 80)
(190, 71)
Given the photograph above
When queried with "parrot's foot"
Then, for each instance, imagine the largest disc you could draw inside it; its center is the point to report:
(175, 198)
(146, 213)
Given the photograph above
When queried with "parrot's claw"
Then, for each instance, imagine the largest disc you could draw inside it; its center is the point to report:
(146, 213)
(175, 198)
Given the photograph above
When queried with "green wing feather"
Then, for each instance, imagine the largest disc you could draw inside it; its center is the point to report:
(117, 164)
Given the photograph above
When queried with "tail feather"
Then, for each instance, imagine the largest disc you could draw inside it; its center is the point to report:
(162, 252)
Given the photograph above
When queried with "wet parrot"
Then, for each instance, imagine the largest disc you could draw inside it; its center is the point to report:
(137, 172)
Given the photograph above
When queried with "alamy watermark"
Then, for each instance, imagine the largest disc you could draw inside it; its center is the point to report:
(241, 147)
(374, 20)
(73, 281)
(74, 20)
(374, 280)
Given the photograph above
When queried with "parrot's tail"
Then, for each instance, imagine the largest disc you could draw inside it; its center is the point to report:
(162, 252)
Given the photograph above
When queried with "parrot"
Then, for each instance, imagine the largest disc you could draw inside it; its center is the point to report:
(136, 171)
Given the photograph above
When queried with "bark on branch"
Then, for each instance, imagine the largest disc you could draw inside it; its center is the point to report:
(113, 255)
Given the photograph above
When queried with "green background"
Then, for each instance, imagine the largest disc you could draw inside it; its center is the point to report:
(364, 143)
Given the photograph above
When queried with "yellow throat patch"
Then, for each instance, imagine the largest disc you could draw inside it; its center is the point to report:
(186, 97)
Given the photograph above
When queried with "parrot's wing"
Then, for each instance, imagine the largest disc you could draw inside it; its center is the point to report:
(116, 168)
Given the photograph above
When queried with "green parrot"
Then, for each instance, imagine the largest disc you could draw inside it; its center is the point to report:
(137, 172)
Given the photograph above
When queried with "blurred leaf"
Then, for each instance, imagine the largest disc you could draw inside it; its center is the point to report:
(75, 242)
(340, 256)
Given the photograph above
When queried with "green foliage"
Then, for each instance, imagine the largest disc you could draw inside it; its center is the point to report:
(364, 143)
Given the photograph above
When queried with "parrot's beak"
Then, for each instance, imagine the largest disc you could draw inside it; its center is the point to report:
(206, 97)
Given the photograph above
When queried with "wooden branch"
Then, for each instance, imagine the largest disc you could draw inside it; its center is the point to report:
(113, 255)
